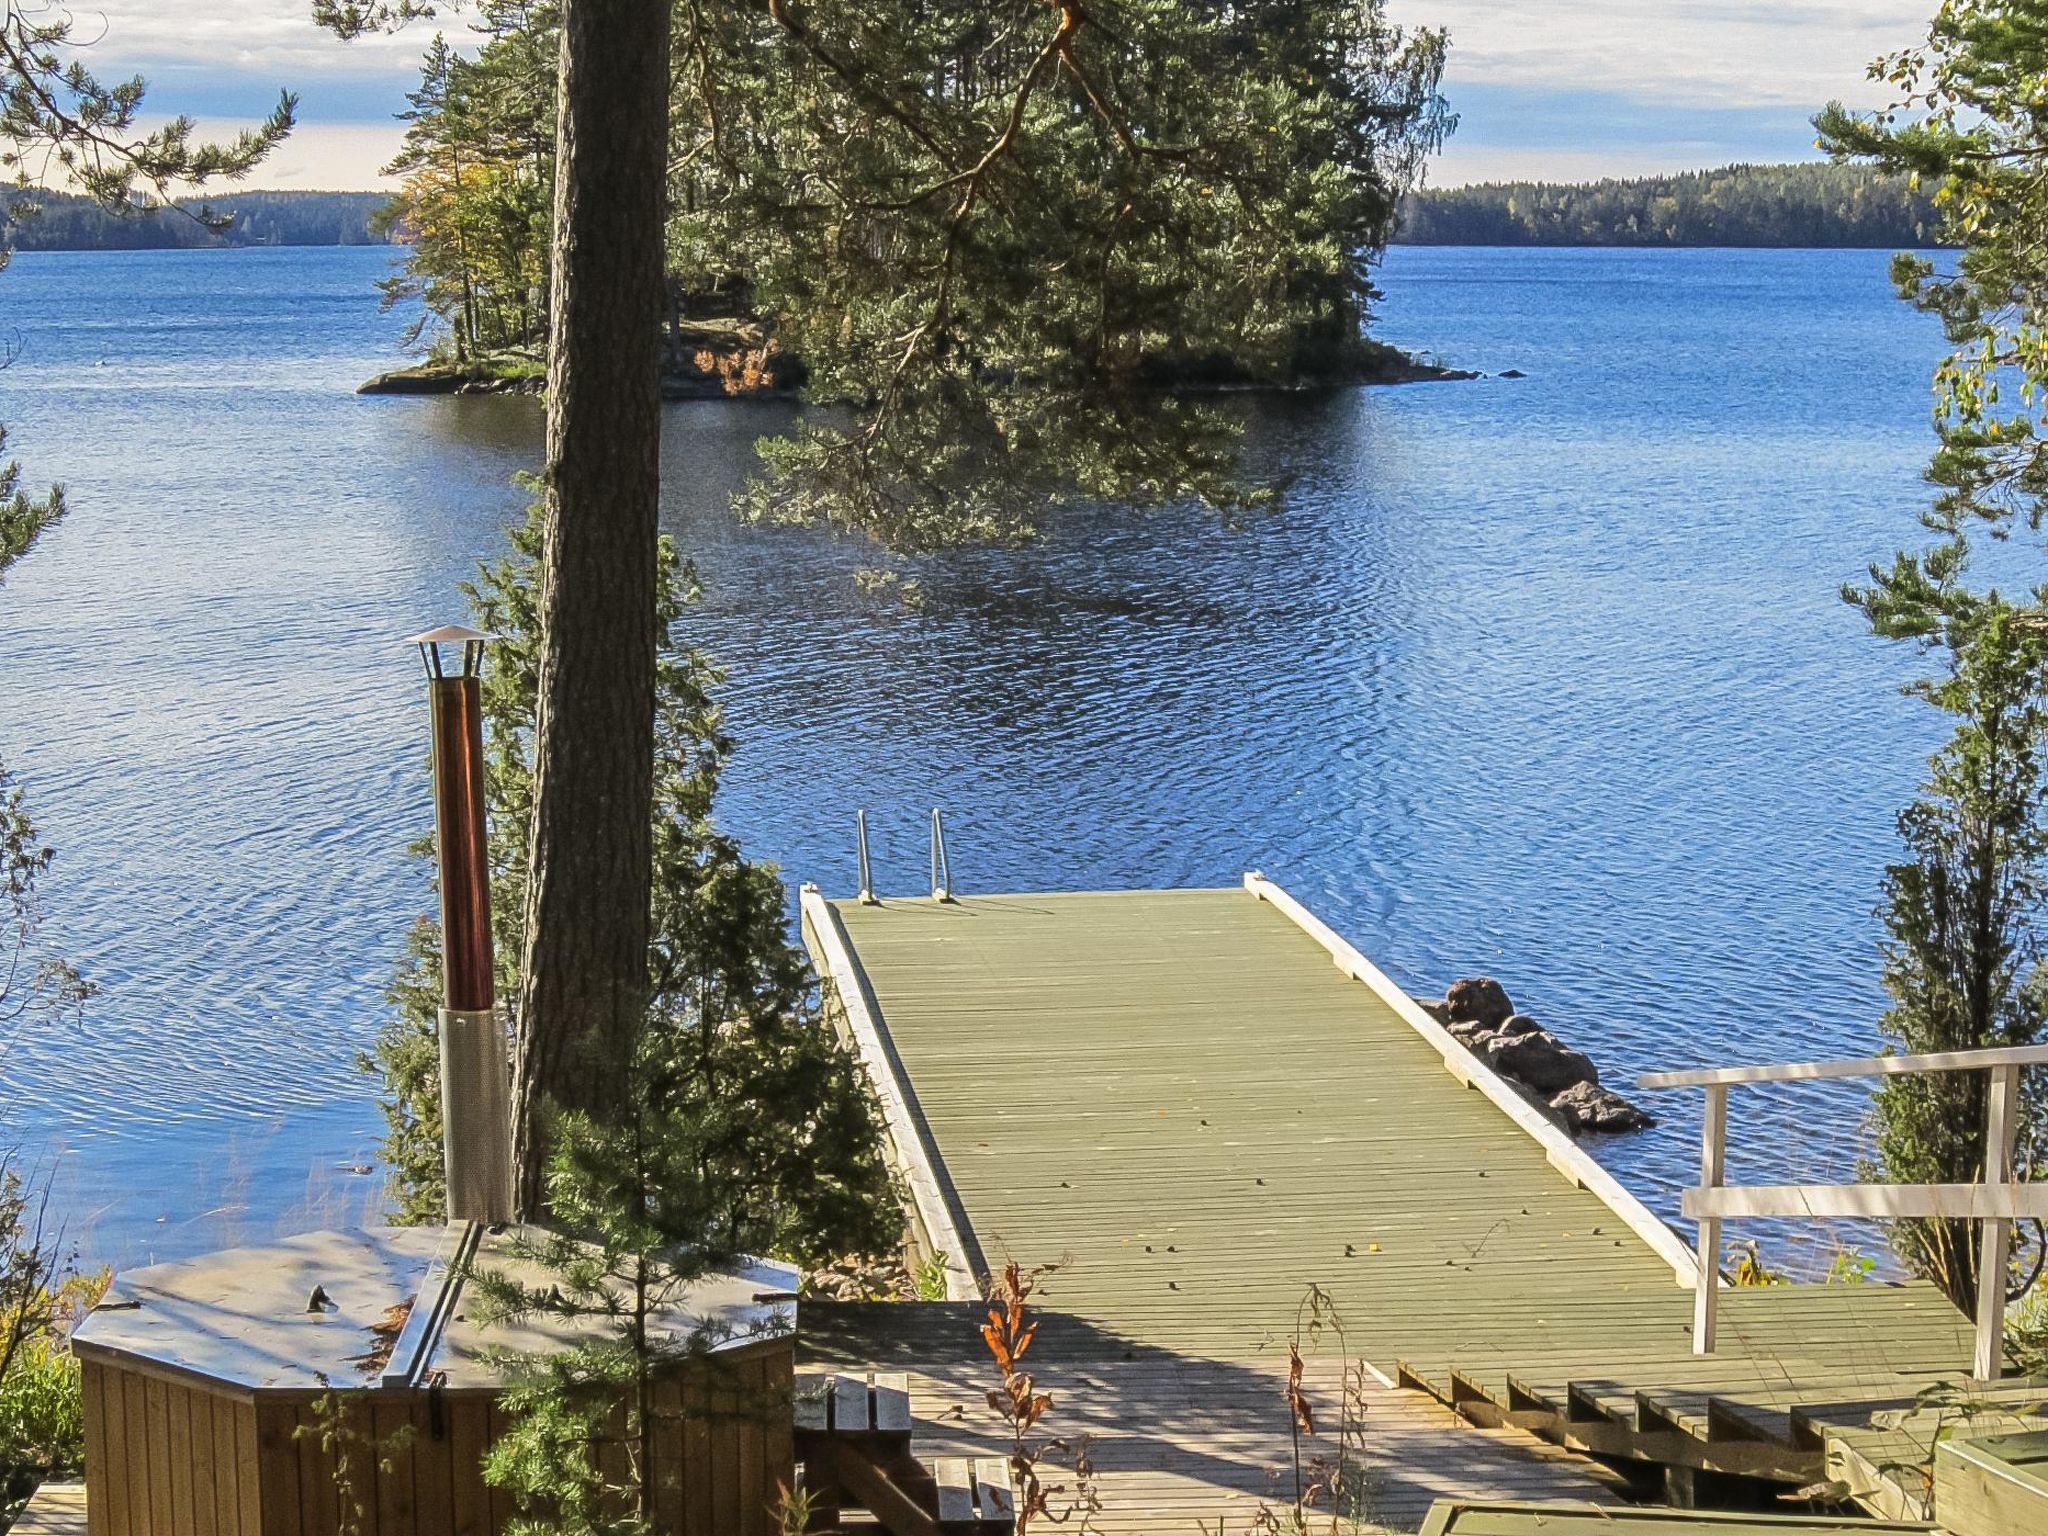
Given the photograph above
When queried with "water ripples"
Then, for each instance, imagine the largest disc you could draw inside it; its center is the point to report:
(1544, 677)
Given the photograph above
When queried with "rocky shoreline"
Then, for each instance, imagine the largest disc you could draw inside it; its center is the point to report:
(732, 360)
(1478, 1013)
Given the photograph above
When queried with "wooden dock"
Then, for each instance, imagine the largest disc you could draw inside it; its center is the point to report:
(1204, 1102)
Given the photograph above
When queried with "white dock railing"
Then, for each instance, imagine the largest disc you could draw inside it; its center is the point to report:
(1997, 1202)
(1570, 1159)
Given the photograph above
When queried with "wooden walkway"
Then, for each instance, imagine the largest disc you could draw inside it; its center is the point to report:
(58, 1509)
(1204, 1103)
(1180, 1442)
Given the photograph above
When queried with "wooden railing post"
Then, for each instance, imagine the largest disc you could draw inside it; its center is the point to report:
(1994, 1250)
(1706, 1304)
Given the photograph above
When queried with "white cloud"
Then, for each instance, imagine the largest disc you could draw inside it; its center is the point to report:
(266, 36)
(1722, 53)
(332, 157)
(1685, 52)
(1675, 65)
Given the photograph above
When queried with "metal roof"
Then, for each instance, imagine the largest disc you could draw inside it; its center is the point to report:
(380, 1306)
(451, 634)
(242, 1316)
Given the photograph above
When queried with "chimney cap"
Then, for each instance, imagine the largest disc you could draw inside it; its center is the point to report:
(452, 634)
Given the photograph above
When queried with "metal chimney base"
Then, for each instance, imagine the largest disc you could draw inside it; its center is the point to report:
(476, 1115)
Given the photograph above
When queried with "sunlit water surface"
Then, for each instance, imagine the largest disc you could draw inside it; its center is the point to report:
(1546, 677)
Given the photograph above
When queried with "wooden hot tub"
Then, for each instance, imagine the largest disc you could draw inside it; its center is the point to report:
(334, 1381)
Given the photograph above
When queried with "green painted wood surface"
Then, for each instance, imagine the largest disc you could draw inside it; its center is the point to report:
(1993, 1485)
(1462, 1519)
(1179, 1092)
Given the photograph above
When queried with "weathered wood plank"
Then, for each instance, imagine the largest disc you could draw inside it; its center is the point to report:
(57, 1509)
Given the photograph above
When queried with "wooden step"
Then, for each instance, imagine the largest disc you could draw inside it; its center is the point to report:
(57, 1509)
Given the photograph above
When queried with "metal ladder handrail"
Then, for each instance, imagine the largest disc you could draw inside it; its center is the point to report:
(868, 898)
(942, 870)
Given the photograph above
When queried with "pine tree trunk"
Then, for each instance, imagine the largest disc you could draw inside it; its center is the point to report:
(583, 978)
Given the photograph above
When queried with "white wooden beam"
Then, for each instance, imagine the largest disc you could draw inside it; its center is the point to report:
(917, 1159)
(1954, 1202)
(1862, 1066)
(1706, 1305)
(1563, 1154)
(1994, 1252)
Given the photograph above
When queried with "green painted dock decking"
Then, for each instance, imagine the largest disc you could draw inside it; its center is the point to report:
(1179, 1090)
(1460, 1519)
(1204, 1103)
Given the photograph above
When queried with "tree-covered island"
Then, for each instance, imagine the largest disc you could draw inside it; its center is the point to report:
(1170, 196)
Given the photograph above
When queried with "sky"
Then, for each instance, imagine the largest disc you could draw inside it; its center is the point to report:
(1557, 89)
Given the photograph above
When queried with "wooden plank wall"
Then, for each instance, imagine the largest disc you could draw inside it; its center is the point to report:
(169, 1459)
(164, 1457)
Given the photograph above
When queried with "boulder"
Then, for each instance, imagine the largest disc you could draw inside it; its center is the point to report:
(1437, 1008)
(1467, 1033)
(1589, 1107)
(1518, 1024)
(1479, 1000)
(1539, 1059)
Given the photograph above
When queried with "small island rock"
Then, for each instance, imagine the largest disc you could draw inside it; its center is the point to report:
(1479, 1000)
(1539, 1059)
(1589, 1107)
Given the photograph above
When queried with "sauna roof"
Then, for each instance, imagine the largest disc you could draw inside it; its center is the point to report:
(377, 1306)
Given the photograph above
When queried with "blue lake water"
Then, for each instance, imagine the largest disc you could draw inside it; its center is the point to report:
(1545, 677)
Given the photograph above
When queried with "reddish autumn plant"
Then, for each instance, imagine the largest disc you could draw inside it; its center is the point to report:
(1338, 1488)
(1008, 1333)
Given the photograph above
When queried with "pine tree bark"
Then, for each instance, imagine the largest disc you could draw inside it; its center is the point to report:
(583, 977)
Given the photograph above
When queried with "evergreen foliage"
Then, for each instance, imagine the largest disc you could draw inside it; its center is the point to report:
(1964, 910)
(1964, 907)
(991, 230)
(61, 123)
(783, 1133)
(643, 1195)
(42, 1413)
(477, 199)
(1738, 205)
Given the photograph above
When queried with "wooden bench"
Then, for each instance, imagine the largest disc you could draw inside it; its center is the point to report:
(853, 1438)
(873, 1409)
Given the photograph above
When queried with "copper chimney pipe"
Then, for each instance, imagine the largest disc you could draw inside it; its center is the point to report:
(476, 1093)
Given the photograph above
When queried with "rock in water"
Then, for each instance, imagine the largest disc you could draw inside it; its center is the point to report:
(1539, 1059)
(1479, 1000)
(1519, 1024)
(1589, 1107)
(1436, 1007)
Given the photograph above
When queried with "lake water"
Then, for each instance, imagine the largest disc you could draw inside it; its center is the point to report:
(1543, 677)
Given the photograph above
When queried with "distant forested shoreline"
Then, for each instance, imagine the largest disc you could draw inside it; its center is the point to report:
(1817, 204)
(1739, 205)
(62, 221)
